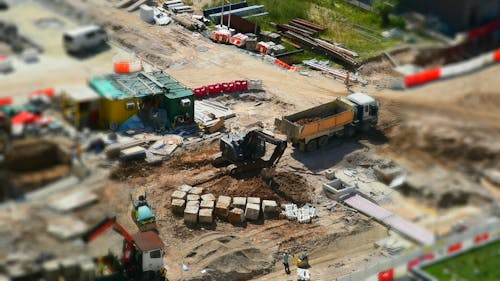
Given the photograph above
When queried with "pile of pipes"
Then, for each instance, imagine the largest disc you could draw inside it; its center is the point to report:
(337, 73)
(302, 27)
(302, 32)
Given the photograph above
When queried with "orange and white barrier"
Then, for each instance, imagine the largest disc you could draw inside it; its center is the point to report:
(452, 70)
(284, 65)
(239, 40)
(127, 63)
(221, 36)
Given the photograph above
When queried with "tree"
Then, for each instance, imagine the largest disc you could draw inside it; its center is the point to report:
(383, 8)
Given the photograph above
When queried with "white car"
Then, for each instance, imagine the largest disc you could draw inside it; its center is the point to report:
(84, 38)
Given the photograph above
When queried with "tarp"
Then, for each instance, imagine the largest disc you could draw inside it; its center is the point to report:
(25, 117)
(144, 213)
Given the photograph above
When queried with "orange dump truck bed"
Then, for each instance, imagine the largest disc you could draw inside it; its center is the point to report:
(318, 121)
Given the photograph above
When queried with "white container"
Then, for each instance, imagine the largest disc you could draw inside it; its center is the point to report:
(147, 14)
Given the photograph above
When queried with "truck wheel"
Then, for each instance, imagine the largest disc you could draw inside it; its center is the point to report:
(312, 145)
(349, 131)
(323, 141)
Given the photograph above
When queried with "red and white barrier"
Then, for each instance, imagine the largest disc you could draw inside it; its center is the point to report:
(284, 65)
(399, 267)
(239, 40)
(452, 70)
(218, 88)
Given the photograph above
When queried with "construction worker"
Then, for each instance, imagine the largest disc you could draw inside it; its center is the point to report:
(286, 256)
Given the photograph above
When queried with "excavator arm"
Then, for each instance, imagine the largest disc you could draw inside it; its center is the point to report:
(279, 143)
(104, 225)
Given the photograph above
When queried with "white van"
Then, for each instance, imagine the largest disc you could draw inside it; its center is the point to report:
(84, 38)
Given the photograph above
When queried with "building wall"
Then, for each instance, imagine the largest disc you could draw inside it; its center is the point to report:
(115, 111)
(457, 15)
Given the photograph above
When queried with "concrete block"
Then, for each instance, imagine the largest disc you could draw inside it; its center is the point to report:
(185, 188)
(178, 206)
(270, 209)
(253, 200)
(70, 268)
(193, 197)
(51, 270)
(196, 190)
(179, 195)
(206, 215)
(191, 214)
(65, 228)
(208, 197)
(240, 202)
(207, 204)
(222, 206)
(338, 190)
(252, 211)
(73, 201)
(236, 216)
(87, 271)
(193, 203)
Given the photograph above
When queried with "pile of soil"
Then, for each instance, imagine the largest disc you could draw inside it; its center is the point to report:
(253, 187)
(291, 187)
(33, 163)
(305, 121)
(226, 257)
(194, 159)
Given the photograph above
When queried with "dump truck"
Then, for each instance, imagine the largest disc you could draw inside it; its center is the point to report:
(311, 129)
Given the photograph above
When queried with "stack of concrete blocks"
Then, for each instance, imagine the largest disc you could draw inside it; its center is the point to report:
(78, 269)
(70, 268)
(252, 210)
(207, 205)
(178, 201)
(51, 270)
(239, 202)
(236, 216)
(87, 271)
(222, 206)
(270, 209)
(192, 205)
(291, 211)
(303, 215)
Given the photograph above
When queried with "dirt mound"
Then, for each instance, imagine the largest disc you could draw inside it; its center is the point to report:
(253, 187)
(291, 187)
(481, 101)
(305, 121)
(194, 159)
(33, 155)
(35, 162)
(226, 257)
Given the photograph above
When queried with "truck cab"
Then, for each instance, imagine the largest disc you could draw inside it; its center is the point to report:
(365, 109)
(150, 249)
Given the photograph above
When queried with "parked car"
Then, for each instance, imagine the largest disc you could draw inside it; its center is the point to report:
(84, 39)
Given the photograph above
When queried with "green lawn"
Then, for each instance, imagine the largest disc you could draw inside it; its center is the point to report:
(479, 264)
(355, 28)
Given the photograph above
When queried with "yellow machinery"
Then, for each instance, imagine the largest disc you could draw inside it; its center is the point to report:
(301, 260)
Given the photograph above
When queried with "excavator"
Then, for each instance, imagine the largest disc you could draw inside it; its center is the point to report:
(243, 152)
(142, 256)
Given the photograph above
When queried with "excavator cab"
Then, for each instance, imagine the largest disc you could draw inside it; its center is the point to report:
(245, 151)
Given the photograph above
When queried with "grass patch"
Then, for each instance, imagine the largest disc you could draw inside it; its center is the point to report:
(479, 264)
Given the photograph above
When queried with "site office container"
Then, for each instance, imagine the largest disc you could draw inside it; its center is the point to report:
(115, 112)
(179, 104)
(326, 120)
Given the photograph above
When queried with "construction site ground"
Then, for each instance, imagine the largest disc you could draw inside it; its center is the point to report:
(444, 135)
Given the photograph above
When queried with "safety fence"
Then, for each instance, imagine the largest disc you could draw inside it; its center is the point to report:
(483, 30)
(218, 88)
(401, 265)
(452, 70)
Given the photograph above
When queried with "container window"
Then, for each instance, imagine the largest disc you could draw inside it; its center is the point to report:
(68, 38)
(130, 105)
(186, 102)
(155, 254)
